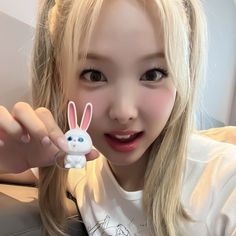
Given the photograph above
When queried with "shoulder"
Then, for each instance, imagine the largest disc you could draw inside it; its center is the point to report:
(210, 183)
(212, 162)
(205, 149)
(224, 134)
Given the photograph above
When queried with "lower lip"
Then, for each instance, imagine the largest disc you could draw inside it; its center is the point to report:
(123, 147)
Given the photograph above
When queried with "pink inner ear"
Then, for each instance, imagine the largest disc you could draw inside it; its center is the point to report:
(72, 116)
(86, 118)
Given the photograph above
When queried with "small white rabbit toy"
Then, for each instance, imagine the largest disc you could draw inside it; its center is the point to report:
(79, 141)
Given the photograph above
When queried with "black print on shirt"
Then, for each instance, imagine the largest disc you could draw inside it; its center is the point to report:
(103, 226)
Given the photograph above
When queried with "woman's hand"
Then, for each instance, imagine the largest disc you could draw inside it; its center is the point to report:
(30, 138)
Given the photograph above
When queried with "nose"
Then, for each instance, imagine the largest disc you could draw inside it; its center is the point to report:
(123, 108)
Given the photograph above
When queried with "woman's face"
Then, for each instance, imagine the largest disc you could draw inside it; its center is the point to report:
(125, 77)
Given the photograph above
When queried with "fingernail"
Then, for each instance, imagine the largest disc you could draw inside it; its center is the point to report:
(25, 138)
(63, 144)
(46, 141)
(1, 143)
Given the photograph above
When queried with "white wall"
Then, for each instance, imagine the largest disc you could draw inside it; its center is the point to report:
(221, 16)
(22, 10)
(17, 22)
(15, 47)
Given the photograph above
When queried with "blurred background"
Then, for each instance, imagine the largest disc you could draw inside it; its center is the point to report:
(17, 22)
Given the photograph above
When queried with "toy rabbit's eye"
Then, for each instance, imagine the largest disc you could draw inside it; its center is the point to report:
(80, 139)
(69, 138)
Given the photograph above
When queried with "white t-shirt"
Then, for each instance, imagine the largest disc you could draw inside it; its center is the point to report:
(209, 194)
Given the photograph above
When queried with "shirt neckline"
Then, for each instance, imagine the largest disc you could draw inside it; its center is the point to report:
(129, 195)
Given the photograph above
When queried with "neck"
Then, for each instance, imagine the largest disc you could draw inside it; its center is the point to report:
(131, 177)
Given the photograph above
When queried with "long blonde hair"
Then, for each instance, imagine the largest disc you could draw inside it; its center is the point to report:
(63, 27)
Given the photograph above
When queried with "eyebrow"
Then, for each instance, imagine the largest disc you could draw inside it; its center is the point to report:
(97, 57)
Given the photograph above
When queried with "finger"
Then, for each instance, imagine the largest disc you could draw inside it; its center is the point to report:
(9, 125)
(26, 116)
(94, 154)
(2, 134)
(1, 143)
(55, 134)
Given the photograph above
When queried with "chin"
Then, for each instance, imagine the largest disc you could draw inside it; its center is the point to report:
(123, 159)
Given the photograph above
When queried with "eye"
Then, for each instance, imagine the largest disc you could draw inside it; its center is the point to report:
(69, 139)
(155, 75)
(80, 139)
(92, 75)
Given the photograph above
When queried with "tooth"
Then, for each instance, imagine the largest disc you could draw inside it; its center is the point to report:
(123, 136)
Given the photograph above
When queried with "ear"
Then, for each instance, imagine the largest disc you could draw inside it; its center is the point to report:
(72, 115)
(87, 117)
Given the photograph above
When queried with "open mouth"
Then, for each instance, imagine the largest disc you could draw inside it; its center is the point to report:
(125, 138)
(124, 143)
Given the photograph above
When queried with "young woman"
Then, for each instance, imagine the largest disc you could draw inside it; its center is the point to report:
(140, 64)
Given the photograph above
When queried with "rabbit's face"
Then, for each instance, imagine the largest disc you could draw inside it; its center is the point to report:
(79, 141)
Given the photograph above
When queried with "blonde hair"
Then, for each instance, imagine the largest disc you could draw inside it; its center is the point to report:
(63, 28)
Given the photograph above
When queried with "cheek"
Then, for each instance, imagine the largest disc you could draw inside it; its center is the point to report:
(96, 98)
(158, 103)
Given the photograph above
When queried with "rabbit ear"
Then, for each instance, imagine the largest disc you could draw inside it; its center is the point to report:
(72, 115)
(87, 117)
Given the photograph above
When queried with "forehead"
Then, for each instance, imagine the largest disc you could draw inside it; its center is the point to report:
(125, 27)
